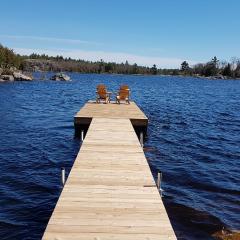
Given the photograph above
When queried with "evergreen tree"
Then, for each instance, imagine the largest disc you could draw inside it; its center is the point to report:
(211, 67)
(135, 69)
(154, 69)
(227, 70)
(184, 66)
(215, 61)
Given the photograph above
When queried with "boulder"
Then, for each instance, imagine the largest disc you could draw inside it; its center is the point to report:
(1, 70)
(21, 77)
(60, 77)
(13, 69)
(6, 78)
(219, 76)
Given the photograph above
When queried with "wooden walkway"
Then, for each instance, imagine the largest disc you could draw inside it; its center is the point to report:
(110, 193)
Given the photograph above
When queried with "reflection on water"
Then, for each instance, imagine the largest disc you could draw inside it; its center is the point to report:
(193, 139)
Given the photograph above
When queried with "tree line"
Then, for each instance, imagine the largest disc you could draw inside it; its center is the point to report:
(43, 62)
(9, 59)
(214, 67)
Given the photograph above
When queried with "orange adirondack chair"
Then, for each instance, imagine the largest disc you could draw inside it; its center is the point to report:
(102, 94)
(123, 94)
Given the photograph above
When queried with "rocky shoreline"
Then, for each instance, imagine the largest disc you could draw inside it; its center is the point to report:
(11, 75)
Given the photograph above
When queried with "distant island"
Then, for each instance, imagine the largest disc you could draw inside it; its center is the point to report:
(12, 65)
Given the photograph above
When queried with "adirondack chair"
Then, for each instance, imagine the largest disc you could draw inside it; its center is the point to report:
(102, 94)
(123, 94)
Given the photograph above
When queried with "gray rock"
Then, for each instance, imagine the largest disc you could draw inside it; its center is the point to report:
(13, 69)
(21, 77)
(1, 70)
(60, 77)
(219, 76)
(7, 78)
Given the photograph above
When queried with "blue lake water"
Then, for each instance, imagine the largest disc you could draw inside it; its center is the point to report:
(193, 138)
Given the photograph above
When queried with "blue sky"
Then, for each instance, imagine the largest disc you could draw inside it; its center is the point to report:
(146, 32)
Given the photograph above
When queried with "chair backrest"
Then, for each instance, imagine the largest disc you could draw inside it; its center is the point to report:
(101, 86)
(124, 87)
(102, 91)
(124, 94)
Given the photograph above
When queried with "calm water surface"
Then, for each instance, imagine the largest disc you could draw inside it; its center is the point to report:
(193, 138)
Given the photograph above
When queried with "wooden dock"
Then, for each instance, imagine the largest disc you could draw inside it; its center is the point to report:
(92, 110)
(110, 193)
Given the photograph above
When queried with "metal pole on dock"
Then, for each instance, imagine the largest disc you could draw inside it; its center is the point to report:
(63, 175)
(141, 138)
(159, 182)
(82, 135)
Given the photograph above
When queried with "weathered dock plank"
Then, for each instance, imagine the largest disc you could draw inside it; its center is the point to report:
(110, 193)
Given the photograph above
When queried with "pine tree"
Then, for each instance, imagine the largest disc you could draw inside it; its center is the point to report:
(154, 69)
(184, 66)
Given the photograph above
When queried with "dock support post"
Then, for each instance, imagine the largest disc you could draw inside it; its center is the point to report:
(63, 175)
(159, 181)
(141, 139)
(82, 135)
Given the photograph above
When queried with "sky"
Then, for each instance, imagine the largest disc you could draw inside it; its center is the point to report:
(146, 32)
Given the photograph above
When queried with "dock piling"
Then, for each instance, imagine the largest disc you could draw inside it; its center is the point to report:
(63, 175)
(159, 182)
(141, 139)
(82, 135)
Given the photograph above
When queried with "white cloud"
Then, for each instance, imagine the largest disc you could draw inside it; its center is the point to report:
(109, 57)
(50, 39)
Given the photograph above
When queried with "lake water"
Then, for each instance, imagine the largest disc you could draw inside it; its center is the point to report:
(193, 138)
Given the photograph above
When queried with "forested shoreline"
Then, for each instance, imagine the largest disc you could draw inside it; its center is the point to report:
(10, 61)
